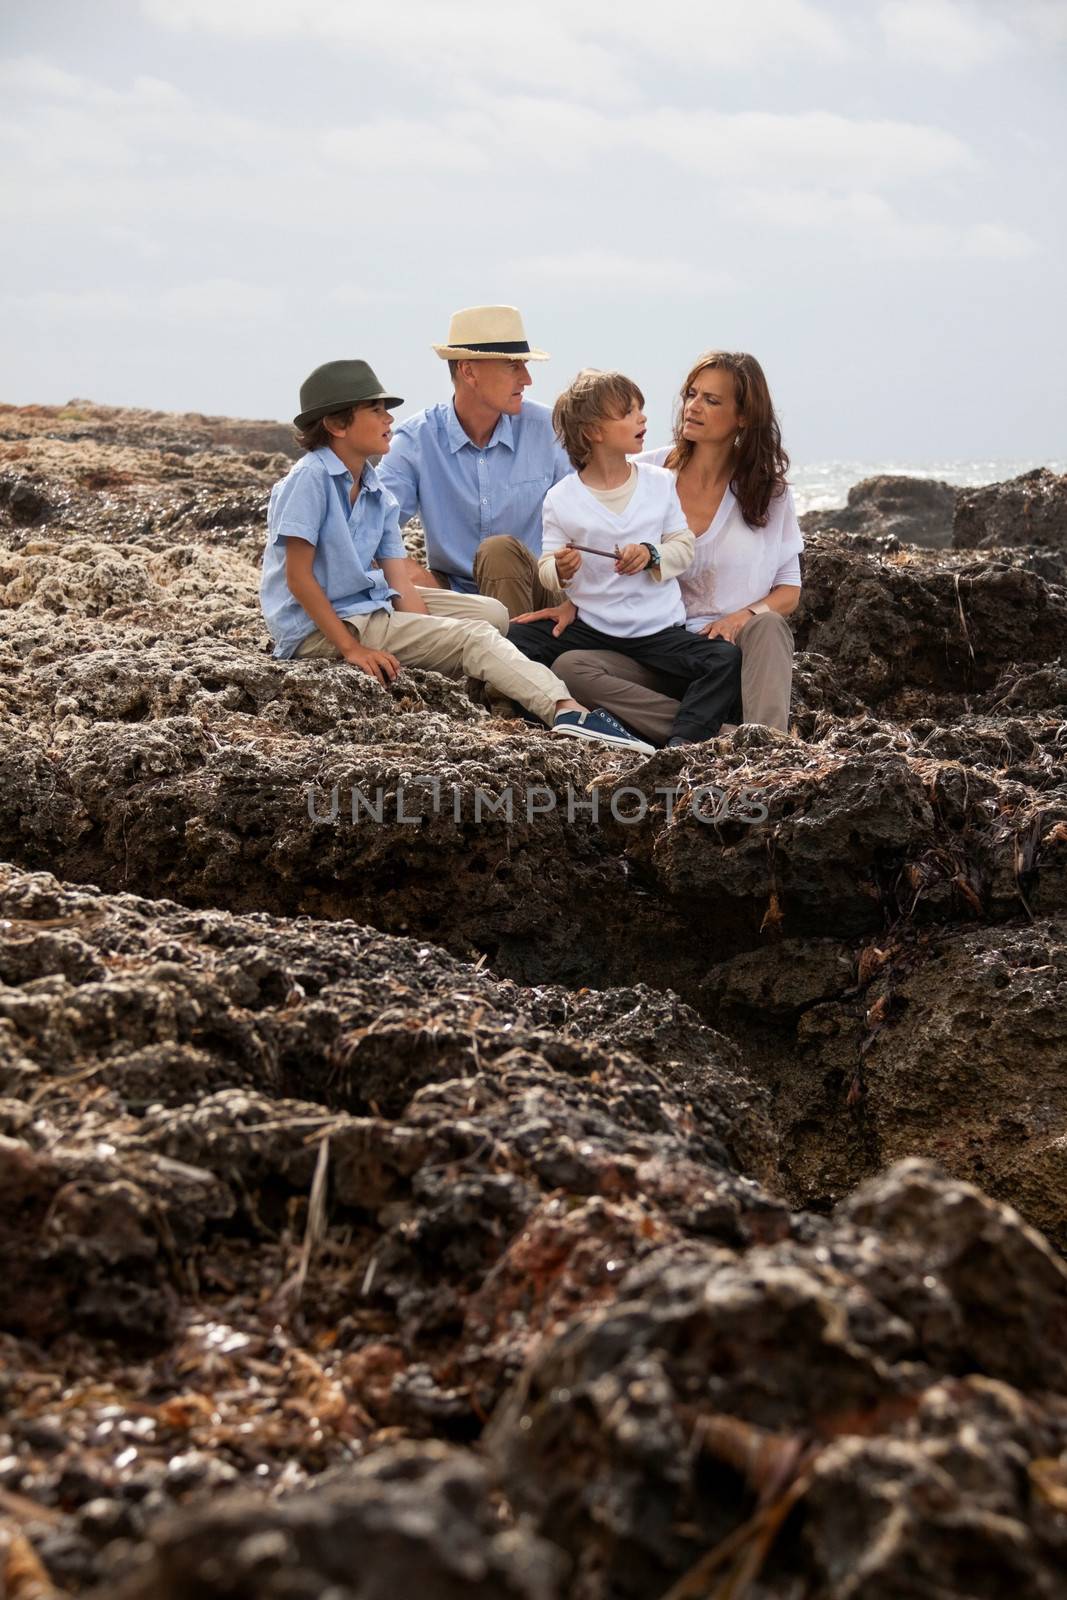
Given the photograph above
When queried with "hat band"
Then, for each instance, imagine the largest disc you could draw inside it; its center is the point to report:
(506, 347)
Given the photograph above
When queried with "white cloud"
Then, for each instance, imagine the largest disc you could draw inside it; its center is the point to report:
(815, 147)
(946, 34)
(863, 225)
(213, 300)
(606, 270)
(394, 143)
(222, 299)
(596, 51)
(357, 297)
(997, 243)
(1044, 19)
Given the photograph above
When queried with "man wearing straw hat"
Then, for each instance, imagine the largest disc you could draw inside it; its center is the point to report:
(476, 468)
(334, 583)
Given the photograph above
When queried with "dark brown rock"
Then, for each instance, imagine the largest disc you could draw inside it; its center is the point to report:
(908, 510)
(414, 1521)
(1029, 510)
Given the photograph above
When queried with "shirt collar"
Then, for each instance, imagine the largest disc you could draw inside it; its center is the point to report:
(336, 468)
(458, 436)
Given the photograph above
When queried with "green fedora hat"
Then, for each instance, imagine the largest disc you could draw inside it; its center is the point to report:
(335, 385)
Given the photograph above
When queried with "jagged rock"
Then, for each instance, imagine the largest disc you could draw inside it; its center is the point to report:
(237, 1045)
(410, 1521)
(280, 1191)
(643, 1434)
(968, 1063)
(890, 622)
(1029, 510)
(912, 510)
(25, 501)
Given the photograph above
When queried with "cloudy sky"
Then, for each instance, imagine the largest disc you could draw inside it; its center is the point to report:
(206, 198)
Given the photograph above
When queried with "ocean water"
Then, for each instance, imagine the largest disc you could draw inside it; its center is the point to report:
(824, 485)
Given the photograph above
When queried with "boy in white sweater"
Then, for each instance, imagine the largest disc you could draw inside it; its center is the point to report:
(615, 538)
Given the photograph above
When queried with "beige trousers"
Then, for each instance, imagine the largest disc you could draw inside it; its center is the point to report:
(636, 695)
(456, 647)
(466, 607)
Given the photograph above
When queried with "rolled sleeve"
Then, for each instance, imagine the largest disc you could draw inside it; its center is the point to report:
(391, 544)
(298, 508)
(553, 538)
(792, 538)
(675, 555)
(788, 572)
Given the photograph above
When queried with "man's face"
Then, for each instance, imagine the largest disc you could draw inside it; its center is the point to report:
(499, 384)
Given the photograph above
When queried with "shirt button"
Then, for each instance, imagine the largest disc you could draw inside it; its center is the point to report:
(481, 461)
(485, 502)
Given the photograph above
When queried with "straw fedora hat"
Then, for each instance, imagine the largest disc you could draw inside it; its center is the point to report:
(337, 385)
(488, 333)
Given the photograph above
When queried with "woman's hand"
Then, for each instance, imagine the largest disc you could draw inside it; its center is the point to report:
(727, 627)
(632, 558)
(562, 616)
(567, 563)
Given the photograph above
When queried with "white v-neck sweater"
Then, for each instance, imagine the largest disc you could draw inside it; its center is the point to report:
(628, 607)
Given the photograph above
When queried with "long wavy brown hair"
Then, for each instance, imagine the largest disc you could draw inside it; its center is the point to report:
(760, 463)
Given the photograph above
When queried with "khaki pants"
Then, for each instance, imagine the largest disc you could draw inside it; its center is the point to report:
(466, 607)
(637, 695)
(455, 647)
(504, 571)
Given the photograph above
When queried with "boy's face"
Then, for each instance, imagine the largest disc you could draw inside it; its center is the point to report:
(626, 434)
(368, 434)
(499, 384)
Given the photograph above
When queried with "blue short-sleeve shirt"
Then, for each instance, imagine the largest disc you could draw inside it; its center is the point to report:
(313, 502)
(465, 492)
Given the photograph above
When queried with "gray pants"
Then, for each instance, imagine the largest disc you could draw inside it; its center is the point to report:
(637, 696)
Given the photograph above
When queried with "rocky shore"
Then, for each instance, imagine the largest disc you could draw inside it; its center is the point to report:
(437, 1162)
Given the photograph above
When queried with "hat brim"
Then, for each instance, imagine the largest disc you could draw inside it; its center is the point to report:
(316, 414)
(451, 352)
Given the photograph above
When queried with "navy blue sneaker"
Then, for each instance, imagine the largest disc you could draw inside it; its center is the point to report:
(601, 726)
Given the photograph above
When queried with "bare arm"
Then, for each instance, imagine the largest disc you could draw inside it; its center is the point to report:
(783, 598)
(306, 588)
(398, 572)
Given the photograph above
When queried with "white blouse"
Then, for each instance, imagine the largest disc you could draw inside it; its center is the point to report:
(735, 564)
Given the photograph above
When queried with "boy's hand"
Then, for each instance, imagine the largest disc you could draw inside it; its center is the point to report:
(375, 663)
(567, 563)
(632, 558)
(562, 616)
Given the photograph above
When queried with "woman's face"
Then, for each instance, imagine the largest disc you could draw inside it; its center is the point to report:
(709, 407)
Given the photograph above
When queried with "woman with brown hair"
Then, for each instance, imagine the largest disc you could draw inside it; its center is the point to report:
(730, 468)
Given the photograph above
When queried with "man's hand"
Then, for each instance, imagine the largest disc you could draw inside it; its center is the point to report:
(567, 563)
(727, 627)
(375, 663)
(632, 558)
(562, 616)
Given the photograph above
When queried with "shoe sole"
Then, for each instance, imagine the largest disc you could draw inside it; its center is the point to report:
(606, 738)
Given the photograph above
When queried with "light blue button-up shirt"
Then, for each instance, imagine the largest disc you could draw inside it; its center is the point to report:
(313, 502)
(464, 492)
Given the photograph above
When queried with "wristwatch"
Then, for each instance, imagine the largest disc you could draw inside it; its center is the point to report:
(653, 555)
(759, 608)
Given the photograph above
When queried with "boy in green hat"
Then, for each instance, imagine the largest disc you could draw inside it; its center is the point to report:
(335, 580)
